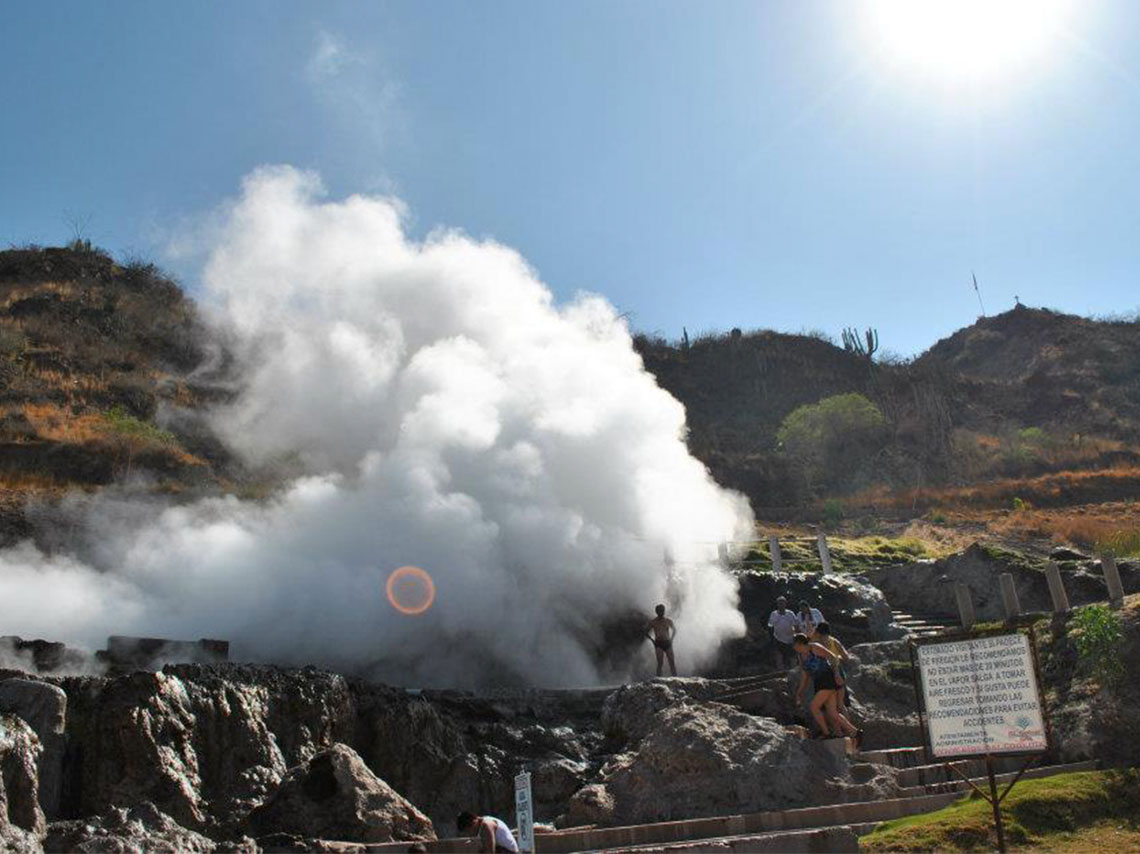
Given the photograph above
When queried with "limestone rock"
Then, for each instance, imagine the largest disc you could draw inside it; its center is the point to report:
(21, 819)
(710, 759)
(334, 796)
(44, 708)
(203, 746)
(590, 805)
(629, 712)
(882, 694)
(856, 611)
(555, 781)
(927, 587)
(142, 829)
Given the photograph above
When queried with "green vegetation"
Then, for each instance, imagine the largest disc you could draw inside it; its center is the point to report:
(833, 512)
(1098, 634)
(1120, 544)
(864, 345)
(122, 423)
(835, 434)
(1035, 813)
(854, 555)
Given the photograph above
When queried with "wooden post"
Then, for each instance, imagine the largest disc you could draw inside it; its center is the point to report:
(722, 553)
(824, 554)
(1112, 581)
(1056, 588)
(1009, 596)
(965, 605)
(995, 802)
(774, 554)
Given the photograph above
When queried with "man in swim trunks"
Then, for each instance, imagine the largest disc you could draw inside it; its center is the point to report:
(662, 631)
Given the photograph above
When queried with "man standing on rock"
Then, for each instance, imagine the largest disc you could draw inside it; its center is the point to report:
(493, 833)
(782, 628)
(662, 631)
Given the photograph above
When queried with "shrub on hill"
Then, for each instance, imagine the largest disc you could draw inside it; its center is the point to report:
(831, 439)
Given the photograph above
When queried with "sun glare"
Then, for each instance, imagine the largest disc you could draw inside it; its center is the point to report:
(967, 39)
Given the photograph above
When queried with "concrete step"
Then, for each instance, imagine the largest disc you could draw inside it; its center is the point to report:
(739, 826)
(896, 757)
(840, 839)
(779, 830)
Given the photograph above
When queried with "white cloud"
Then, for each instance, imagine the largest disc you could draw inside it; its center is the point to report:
(329, 57)
(449, 415)
(355, 88)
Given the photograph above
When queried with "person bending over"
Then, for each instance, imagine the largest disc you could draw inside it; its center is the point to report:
(662, 631)
(493, 833)
(818, 663)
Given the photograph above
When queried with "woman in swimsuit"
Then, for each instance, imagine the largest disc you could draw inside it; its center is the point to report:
(818, 663)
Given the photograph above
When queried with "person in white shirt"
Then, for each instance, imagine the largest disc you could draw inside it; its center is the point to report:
(783, 625)
(809, 618)
(493, 833)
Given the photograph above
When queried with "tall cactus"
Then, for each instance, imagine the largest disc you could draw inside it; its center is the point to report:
(864, 345)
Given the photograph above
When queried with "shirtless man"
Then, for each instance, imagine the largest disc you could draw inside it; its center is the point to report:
(662, 631)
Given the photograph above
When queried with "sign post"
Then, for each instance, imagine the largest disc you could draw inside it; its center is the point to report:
(980, 697)
(524, 811)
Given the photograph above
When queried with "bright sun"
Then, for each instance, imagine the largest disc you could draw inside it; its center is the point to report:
(963, 40)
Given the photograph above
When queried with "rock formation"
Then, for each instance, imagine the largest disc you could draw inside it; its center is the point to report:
(140, 829)
(927, 587)
(235, 757)
(21, 818)
(334, 796)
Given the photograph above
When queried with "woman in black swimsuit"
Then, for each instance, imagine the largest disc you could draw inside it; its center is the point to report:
(818, 663)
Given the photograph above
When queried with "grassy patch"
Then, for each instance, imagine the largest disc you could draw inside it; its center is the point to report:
(1120, 543)
(121, 423)
(1036, 813)
(848, 554)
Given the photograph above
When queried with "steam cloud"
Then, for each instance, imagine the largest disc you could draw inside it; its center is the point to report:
(448, 415)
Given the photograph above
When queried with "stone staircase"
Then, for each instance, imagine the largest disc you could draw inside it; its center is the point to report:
(829, 827)
(923, 625)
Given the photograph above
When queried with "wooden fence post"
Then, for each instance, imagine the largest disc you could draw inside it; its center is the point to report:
(1009, 596)
(774, 554)
(1056, 588)
(824, 554)
(1112, 581)
(965, 605)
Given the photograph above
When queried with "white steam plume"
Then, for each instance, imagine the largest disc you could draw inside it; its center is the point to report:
(451, 416)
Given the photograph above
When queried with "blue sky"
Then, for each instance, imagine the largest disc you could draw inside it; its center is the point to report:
(760, 164)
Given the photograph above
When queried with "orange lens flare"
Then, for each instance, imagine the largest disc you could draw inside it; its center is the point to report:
(410, 590)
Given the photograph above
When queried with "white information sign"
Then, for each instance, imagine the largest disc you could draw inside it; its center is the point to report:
(981, 696)
(524, 811)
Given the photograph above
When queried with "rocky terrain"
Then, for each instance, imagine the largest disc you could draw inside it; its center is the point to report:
(240, 757)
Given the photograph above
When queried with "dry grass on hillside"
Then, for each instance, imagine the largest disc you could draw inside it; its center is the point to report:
(1057, 489)
(1111, 527)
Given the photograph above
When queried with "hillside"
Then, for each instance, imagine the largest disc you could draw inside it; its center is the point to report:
(97, 361)
(1057, 371)
(1025, 394)
(106, 369)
